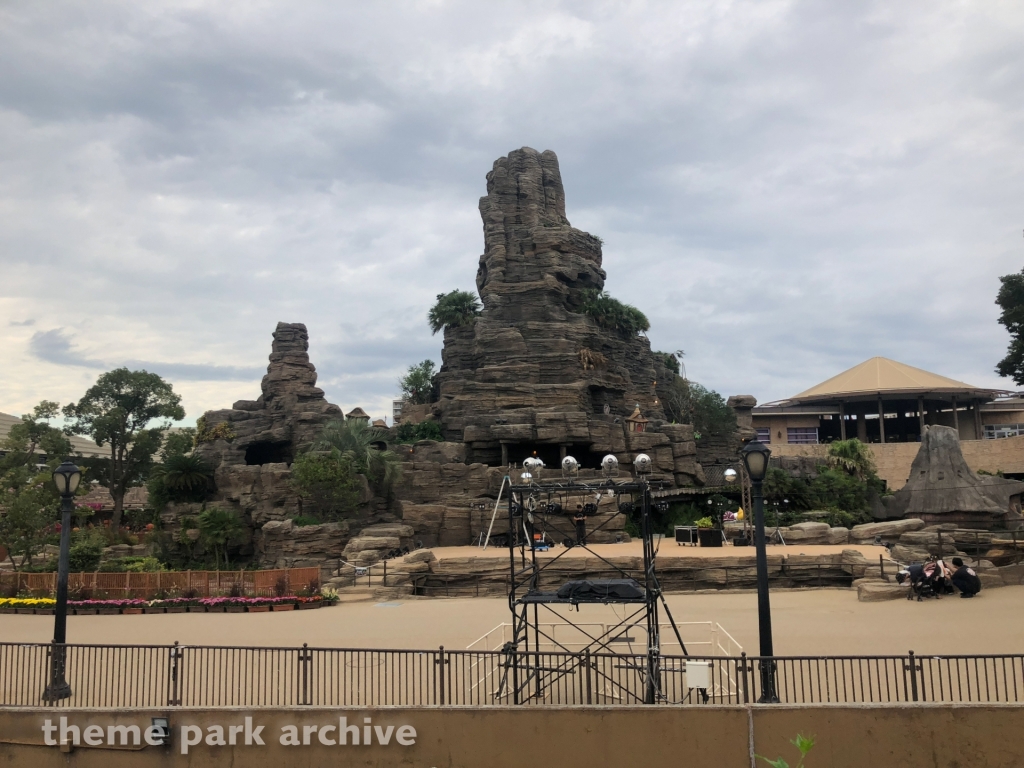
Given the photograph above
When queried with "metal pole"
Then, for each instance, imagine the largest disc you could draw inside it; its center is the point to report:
(653, 686)
(58, 688)
(764, 611)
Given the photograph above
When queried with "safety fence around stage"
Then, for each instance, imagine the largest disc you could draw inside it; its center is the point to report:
(134, 676)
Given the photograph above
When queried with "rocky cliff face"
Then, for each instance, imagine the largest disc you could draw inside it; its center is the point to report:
(534, 374)
(252, 444)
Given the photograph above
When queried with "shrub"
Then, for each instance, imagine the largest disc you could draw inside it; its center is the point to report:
(132, 564)
(302, 521)
(357, 443)
(138, 519)
(611, 314)
(425, 430)
(84, 555)
(327, 485)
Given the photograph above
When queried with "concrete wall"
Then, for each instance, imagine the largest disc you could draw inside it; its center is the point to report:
(894, 459)
(919, 736)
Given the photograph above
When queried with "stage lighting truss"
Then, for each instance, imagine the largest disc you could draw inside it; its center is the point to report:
(570, 512)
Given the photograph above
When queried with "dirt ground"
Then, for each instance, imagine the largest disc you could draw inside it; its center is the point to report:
(805, 622)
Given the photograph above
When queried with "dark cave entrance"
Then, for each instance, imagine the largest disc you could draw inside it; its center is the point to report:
(268, 452)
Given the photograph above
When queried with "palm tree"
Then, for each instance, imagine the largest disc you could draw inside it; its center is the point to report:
(453, 310)
(360, 443)
(852, 456)
(187, 473)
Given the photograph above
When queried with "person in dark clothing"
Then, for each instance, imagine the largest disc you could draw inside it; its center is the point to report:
(580, 521)
(965, 579)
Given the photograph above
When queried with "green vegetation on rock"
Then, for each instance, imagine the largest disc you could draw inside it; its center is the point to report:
(612, 314)
(419, 384)
(425, 430)
(453, 310)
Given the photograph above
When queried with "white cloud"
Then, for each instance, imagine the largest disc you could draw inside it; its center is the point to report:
(785, 188)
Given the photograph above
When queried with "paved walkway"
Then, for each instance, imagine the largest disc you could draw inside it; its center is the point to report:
(806, 622)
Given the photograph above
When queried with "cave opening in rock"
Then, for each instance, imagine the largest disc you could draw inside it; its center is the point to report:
(547, 453)
(268, 452)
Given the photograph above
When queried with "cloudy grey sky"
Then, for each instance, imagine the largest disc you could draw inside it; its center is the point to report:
(785, 188)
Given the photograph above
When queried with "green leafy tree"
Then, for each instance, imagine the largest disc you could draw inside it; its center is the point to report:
(34, 435)
(217, 529)
(453, 310)
(29, 506)
(669, 359)
(611, 314)
(117, 411)
(418, 384)
(688, 402)
(327, 484)
(179, 442)
(360, 444)
(1010, 300)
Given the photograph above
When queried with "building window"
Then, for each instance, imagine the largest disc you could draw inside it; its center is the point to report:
(764, 434)
(993, 431)
(802, 435)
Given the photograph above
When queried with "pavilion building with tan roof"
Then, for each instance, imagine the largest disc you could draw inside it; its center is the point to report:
(885, 401)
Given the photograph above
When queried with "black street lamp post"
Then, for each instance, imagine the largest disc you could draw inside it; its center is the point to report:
(66, 477)
(755, 459)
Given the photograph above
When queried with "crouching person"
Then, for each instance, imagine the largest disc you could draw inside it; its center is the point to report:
(965, 579)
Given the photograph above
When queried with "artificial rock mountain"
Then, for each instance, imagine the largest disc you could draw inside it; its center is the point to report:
(533, 373)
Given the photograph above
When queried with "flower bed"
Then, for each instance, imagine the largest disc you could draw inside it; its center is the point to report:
(170, 605)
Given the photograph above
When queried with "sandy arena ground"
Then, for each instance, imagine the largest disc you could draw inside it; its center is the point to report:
(806, 622)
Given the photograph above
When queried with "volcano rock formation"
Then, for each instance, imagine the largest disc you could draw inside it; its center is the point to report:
(943, 489)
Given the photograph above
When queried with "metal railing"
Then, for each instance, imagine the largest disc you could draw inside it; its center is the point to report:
(135, 676)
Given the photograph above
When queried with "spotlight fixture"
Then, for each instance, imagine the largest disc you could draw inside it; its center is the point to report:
(642, 464)
(610, 465)
(570, 467)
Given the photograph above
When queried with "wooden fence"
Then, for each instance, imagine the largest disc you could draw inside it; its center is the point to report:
(171, 583)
